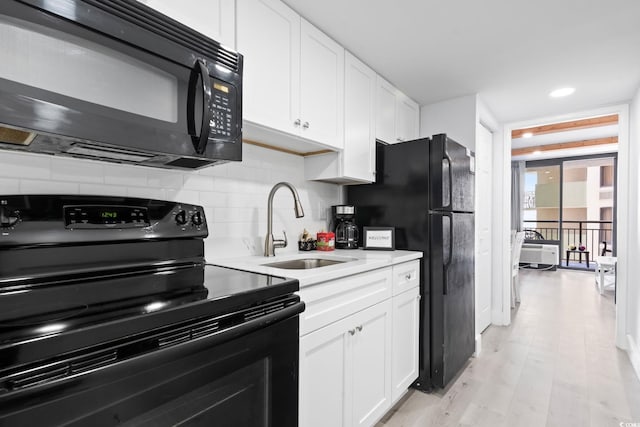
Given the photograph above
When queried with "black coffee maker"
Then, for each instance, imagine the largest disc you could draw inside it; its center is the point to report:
(345, 227)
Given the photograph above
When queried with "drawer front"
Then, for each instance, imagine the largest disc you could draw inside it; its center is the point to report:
(334, 300)
(406, 276)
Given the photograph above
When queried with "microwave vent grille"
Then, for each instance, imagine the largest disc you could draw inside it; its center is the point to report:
(155, 22)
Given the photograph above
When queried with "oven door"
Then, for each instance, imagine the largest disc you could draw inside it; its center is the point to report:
(234, 379)
(116, 80)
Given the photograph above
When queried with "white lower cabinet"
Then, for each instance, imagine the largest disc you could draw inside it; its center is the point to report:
(359, 346)
(345, 370)
(406, 322)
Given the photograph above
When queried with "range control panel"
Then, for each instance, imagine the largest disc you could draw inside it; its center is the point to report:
(84, 216)
(69, 219)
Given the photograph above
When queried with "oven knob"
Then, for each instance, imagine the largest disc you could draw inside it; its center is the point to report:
(8, 217)
(196, 218)
(181, 218)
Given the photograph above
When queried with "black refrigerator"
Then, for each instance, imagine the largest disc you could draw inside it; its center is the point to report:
(425, 189)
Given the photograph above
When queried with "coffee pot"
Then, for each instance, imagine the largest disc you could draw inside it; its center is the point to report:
(346, 230)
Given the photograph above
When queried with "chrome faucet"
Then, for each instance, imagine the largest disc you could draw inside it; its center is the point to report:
(270, 244)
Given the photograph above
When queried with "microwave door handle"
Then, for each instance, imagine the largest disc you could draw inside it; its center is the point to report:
(199, 70)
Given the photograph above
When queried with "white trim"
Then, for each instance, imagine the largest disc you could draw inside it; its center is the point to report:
(634, 354)
(623, 206)
(478, 345)
(501, 307)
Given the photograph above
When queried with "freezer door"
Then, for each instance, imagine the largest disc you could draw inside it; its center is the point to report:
(452, 177)
(452, 294)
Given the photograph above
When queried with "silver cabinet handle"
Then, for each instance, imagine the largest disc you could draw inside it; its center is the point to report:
(408, 276)
(399, 139)
(296, 123)
(352, 331)
(359, 328)
(305, 125)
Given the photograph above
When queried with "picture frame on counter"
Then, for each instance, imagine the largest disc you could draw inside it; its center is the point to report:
(379, 238)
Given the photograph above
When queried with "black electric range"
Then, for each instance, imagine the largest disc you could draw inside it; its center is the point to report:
(109, 315)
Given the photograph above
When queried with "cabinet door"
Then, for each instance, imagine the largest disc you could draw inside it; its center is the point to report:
(213, 18)
(386, 111)
(371, 364)
(406, 324)
(322, 87)
(325, 386)
(268, 36)
(408, 118)
(359, 127)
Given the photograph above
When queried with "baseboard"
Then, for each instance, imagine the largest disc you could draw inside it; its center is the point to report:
(478, 345)
(634, 354)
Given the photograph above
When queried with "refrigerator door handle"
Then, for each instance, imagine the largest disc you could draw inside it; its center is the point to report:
(447, 189)
(447, 263)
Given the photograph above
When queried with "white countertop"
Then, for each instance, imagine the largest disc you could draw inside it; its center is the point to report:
(359, 262)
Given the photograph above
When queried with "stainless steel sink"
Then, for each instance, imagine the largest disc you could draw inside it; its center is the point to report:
(304, 263)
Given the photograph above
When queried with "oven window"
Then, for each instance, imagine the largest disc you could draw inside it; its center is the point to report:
(67, 65)
(239, 399)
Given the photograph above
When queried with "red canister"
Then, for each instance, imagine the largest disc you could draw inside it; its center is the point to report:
(326, 241)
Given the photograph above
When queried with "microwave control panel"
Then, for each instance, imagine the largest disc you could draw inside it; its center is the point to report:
(223, 125)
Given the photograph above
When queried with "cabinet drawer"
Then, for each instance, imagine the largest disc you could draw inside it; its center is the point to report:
(334, 300)
(406, 276)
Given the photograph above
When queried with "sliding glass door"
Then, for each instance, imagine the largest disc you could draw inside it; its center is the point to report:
(571, 202)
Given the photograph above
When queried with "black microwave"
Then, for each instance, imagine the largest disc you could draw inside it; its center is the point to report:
(118, 81)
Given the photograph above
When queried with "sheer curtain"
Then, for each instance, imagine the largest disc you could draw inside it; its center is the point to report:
(517, 194)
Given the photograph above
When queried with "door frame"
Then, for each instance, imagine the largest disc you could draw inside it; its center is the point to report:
(502, 184)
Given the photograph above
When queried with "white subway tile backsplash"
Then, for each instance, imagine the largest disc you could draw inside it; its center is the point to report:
(165, 178)
(213, 199)
(103, 190)
(195, 181)
(184, 196)
(76, 170)
(233, 195)
(129, 175)
(35, 186)
(147, 192)
(16, 165)
(9, 186)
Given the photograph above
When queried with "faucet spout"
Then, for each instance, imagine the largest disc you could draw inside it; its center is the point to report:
(270, 244)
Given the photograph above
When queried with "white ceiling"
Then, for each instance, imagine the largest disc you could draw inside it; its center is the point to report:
(512, 53)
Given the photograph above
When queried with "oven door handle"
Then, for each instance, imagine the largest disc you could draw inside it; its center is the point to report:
(199, 141)
(172, 352)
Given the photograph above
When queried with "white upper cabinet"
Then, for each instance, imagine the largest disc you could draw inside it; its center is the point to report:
(293, 74)
(269, 39)
(213, 18)
(356, 162)
(386, 111)
(398, 116)
(321, 87)
(407, 118)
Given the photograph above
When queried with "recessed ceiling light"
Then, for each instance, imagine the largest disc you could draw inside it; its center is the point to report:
(565, 91)
(547, 171)
(537, 152)
(527, 135)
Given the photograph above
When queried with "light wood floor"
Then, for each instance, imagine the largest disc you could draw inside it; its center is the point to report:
(555, 365)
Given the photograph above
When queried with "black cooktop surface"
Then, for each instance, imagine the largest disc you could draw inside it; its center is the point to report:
(49, 317)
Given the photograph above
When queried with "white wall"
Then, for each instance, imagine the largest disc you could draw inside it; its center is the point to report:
(456, 117)
(234, 195)
(633, 289)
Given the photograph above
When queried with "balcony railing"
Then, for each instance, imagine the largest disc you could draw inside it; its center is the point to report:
(596, 236)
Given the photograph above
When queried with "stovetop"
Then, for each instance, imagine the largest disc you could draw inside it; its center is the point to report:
(53, 318)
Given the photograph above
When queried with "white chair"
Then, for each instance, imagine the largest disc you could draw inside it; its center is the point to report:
(516, 248)
(606, 272)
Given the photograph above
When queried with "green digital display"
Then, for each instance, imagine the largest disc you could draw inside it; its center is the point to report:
(108, 215)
